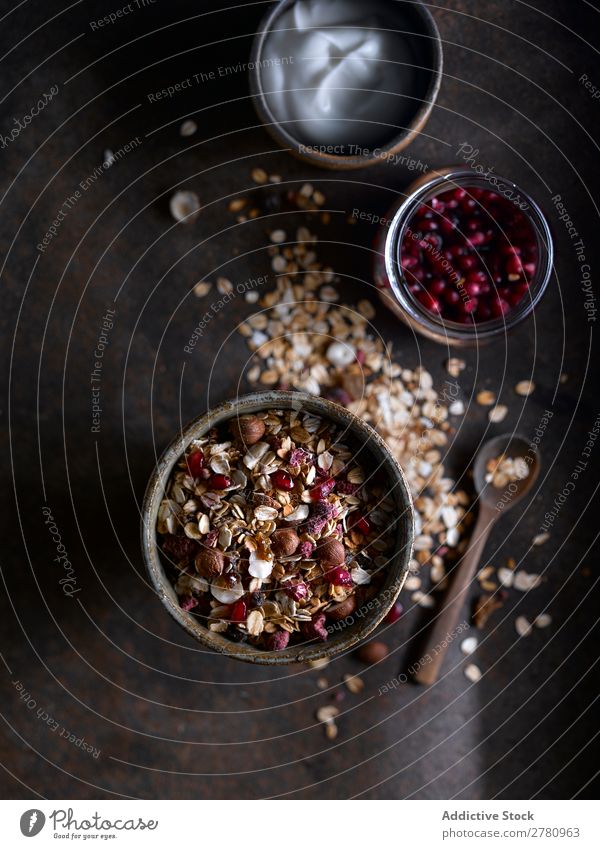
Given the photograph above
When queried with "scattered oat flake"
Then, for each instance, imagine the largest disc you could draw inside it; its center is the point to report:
(259, 175)
(525, 387)
(456, 408)
(184, 205)
(331, 730)
(354, 683)
(319, 663)
(525, 581)
(498, 414)
(454, 366)
(236, 204)
(202, 288)
(278, 236)
(188, 128)
(543, 620)
(485, 398)
(468, 645)
(326, 713)
(540, 539)
(224, 286)
(423, 599)
(473, 673)
(506, 576)
(522, 626)
(322, 683)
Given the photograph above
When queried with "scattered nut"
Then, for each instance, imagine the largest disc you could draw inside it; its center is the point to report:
(354, 683)
(284, 542)
(372, 652)
(209, 562)
(248, 429)
(331, 551)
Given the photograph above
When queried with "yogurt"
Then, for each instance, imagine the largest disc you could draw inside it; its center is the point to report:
(336, 73)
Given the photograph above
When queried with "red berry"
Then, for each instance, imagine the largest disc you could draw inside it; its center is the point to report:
(282, 480)
(219, 482)
(238, 611)
(360, 523)
(339, 577)
(195, 463)
(429, 301)
(322, 489)
(394, 614)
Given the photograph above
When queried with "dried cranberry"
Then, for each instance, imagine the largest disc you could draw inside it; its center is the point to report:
(219, 482)
(322, 489)
(195, 463)
(238, 611)
(360, 523)
(339, 577)
(188, 602)
(282, 480)
(321, 513)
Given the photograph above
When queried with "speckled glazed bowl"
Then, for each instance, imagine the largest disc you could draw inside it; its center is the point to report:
(367, 617)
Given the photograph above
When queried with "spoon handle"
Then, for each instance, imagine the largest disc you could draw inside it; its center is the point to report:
(442, 628)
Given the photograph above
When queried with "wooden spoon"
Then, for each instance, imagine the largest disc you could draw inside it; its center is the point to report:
(493, 502)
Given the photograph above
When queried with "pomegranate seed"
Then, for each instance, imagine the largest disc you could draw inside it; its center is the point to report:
(195, 463)
(238, 611)
(339, 577)
(429, 302)
(394, 614)
(219, 482)
(437, 286)
(282, 480)
(322, 489)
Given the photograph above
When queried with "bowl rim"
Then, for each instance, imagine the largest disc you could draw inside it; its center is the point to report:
(341, 161)
(253, 402)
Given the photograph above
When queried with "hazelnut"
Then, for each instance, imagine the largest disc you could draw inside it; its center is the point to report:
(343, 609)
(372, 652)
(248, 429)
(284, 542)
(331, 551)
(209, 562)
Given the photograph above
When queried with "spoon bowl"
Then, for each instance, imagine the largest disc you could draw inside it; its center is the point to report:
(510, 445)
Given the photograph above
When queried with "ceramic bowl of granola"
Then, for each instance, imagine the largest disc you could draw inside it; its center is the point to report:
(278, 528)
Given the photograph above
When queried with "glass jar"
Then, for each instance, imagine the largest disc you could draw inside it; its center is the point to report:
(409, 298)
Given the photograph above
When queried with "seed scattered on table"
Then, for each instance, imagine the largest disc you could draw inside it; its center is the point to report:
(473, 673)
(525, 387)
(522, 626)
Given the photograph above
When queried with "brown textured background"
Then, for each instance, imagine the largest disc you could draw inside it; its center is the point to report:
(171, 720)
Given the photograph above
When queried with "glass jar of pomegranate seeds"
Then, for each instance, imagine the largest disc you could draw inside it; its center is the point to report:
(463, 260)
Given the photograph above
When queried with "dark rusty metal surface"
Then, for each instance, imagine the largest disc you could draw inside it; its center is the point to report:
(97, 654)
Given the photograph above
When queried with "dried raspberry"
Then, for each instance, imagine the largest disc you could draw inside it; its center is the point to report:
(210, 540)
(315, 629)
(321, 513)
(299, 456)
(296, 590)
(188, 602)
(346, 488)
(306, 549)
(339, 577)
(277, 641)
(179, 549)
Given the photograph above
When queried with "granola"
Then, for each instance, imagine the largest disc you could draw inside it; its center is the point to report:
(272, 528)
(502, 470)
